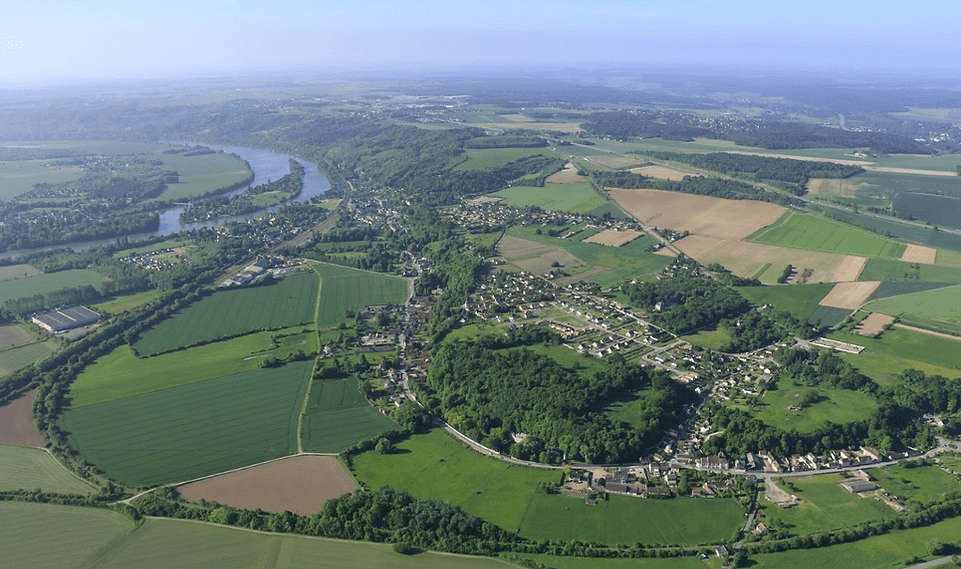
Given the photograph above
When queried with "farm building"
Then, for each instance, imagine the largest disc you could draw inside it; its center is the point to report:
(66, 318)
(856, 486)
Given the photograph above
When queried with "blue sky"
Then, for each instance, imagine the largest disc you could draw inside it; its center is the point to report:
(95, 39)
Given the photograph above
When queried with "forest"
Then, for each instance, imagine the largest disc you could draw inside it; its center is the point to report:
(684, 302)
(697, 185)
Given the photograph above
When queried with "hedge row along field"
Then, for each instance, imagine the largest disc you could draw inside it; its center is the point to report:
(338, 416)
(343, 289)
(230, 312)
(186, 432)
(806, 231)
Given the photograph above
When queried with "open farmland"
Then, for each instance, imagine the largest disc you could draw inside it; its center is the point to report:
(849, 295)
(911, 482)
(613, 238)
(685, 562)
(943, 304)
(299, 484)
(570, 197)
(888, 271)
(919, 254)
(808, 231)
(16, 423)
(940, 240)
(661, 173)
(898, 349)
(11, 272)
(339, 416)
(12, 335)
(493, 158)
(24, 468)
(700, 215)
(19, 177)
(49, 282)
(230, 312)
(568, 175)
(202, 174)
(534, 257)
(873, 324)
(800, 300)
(195, 430)
(343, 289)
(127, 302)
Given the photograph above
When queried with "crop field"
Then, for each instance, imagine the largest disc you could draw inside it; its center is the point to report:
(835, 405)
(807, 231)
(17, 272)
(343, 289)
(623, 520)
(20, 176)
(829, 316)
(122, 374)
(923, 236)
(16, 423)
(493, 158)
(918, 484)
(613, 238)
(195, 430)
(934, 210)
(942, 304)
(25, 468)
(49, 282)
(13, 359)
(886, 270)
(873, 324)
(574, 198)
(12, 335)
(202, 174)
(800, 300)
(899, 349)
(825, 505)
(54, 537)
(128, 302)
(437, 466)
(686, 562)
(849, 295)
(289, 484)
(236, 311)
(339, 416)
(919, 254)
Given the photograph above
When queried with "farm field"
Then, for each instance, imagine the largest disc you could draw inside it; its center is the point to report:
(919, 484)
(195, 430)
(289, 484)
(923, 236)
(493, 158)
(49, 282)
(13, 335)
(934, 210)
(898, 349)
(288, 302)
(896, 289)
(612, 238)
(202, 174)
(16, 423)
(343, 289)
(53, 537)
(942, 304)
(574, 198)
(808, 231)
(25, 468)
(128, 302)
(829, 316)
(437, 466)
(849, 295)
(11, 272)
(623, 520)
(19, 177)
(687, 562)
(339, 416)
(834, 405)
(800, 300)
(122, 374)
(886, 270)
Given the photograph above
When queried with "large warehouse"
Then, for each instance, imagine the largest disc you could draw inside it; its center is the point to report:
(66, 318)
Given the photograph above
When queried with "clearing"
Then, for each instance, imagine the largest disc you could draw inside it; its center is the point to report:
(849, 295)
(919, 254)
(613, 238)
(873, 324)
(16, 422)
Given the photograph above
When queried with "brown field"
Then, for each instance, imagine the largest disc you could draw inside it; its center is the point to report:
(616, 161)
(554, 126)
(919, 254)
(849, 269)
(518, 118)
(849, 295)
(661, 173)
(665, 252)
(844, 188)
(701, 215)
(566, 176)
(17, 272)
(16, 424)
(746, 259)
(873, 324)
(299, 484)
(613, 238)
(12, 336)
(485, 199)
(535, 257)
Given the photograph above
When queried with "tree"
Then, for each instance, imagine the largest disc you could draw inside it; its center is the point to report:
(385, 446)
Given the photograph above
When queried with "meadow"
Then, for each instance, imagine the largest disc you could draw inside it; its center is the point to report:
(714, 338)
(898, 349)
(834, 405)
(20, 176)
(934, 210)
(339, 416)
(11, 272)
(49, 282)
(343, 289)
(574, 198)
(202, 174)
(288, 302)
(825, 505)
(921, 235)
(800, 300)
(15, 358)
(128, 302)
(942, 304)
(493, 158)
(887, 270)
(913, 483)
(182, 433)
(26, 468)
(687, 562)
(808, 231)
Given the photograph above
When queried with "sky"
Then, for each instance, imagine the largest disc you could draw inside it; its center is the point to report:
(76, 41)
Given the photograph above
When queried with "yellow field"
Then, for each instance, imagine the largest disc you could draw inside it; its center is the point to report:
(567, 176)
(919, 254)
(661, 173)
(849, 295)
(613, 238)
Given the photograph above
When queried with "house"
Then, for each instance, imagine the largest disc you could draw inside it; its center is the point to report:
(713, 463)
(760, 530)
(721, 551)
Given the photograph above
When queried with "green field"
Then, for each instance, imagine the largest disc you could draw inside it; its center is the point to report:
(573, 198)
(942, 304)
(235, 311)
(623, 520)
(834, 405)
(829, 316)
(687, 562)
(922, 484)
(343, 289)
(886, 270)
(435, 465)
(339, 416)
(897, 350)
(202, 174)
(122, 374)
(922, 236)
(128, 302)
(800, 300)
(53, 537)
(26, 468)
(49, 282)
(808, 231)
(186, 432)
(20, 176)
(15, 358)
(493, 158)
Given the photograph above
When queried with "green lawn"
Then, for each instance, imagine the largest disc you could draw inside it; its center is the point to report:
(434, 465)
(835, 405)
(343, 289)
(574, 198)
(920, 484)
(182, 433)
(800, 300)
(230, 312)
(339, 416)
(809, 231)
(897, 350)
(49, 282)
(26, 468)
(825, 505)
(15, 358)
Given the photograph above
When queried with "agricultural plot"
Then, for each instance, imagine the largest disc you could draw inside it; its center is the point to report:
(922, 484)
(899, 349)
(613, 238)
(53, 537)
(12, 335)
(569, 197)
(16, 422)
(800, 300)
(849, 295)
(623, 520)
(829, 316)
(195, 430)
(343, 289)
(807, 231)
(24, 468)
(534, 257)
(835, 405)
(202, 174)
(943, 304)
(568, 175)
(937, 239)
(128, 302)
(435, 465)
(889, 271)
(873, 324)
(298, 484)
(339, 416)
(661, 173)
(934, 210)
(919, 254)
(230, 312)
(686, 562)
(20, 176)
(824, 505)
(493, 158)
(11, 272)
(49, 282)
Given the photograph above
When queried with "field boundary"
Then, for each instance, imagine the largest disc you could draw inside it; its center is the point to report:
(757, 234)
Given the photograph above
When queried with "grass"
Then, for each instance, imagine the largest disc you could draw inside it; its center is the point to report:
(493, 158)
(922, 484)
(887, 270)
(202, 174)
(713, 339)
(339, 416)
(800, 300)
(935, 210)
(53, 537)
(26, 468)
(625, 520)
(128, 302)
(573, 198)
(15, 358)
(897, 350)
(195, 430)
(808, 231)
(20, 176)
(49, 282)
(943, 304)
(434, 465)
(829, 316)
(687, 562)
(230, 312)
(121, 374)
(168, 244)
(825, 505)
(920, 235)
(343, 289)
(835, 405)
